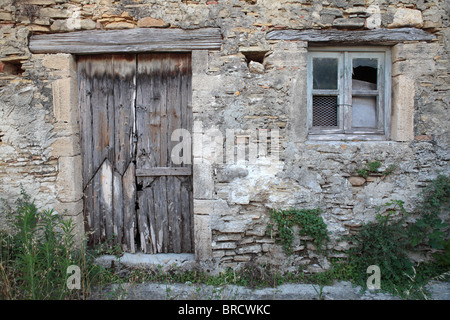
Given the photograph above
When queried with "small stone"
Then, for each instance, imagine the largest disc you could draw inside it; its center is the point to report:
(5, 16)
(59, 26)
(349, 23)
(424, 138)
(148, 22)
(119, 25)
(357, 181)
(256, 67)
(88, 24)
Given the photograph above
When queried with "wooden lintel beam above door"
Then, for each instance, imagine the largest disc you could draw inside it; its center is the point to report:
(128, 40)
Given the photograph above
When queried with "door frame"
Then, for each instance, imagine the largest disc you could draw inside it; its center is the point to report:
(66, 112)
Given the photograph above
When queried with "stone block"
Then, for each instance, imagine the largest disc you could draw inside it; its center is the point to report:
(414, 68)
(54, 13)
(60, 61)
(205, 207)
(250, 249)
(203, 237)
(70, 209)
(357, 181)
(203, 181)
(199, 62)
(65, 147)
(69, 180)
(65, 100)
(404, 17)
(5, 16)
(402, 122)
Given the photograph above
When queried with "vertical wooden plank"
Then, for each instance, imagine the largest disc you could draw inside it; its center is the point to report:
(187, 223)
(124, 90)
(84, 94)
(148, 98)
(118, 208)
(105, 200)
(157, 205)
(129, 204)
(186, 217)
(163, 214)
(144, 230)
(89, 213)
(101, 73)
(98, 223)
(174, 210)
(124, 106)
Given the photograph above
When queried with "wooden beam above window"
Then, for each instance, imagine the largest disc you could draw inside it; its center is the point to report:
(128, 40)
(375, 36)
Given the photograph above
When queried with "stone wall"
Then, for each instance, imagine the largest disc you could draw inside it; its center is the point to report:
(250, 84)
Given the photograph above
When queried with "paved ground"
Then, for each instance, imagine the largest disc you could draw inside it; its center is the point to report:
(339, 291)
(187, 291)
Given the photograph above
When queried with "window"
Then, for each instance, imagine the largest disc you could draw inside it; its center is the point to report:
(349, 93)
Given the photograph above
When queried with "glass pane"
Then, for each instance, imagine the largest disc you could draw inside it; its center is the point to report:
(325, 111)
(325, 73)
(364, 112)
(365, 74)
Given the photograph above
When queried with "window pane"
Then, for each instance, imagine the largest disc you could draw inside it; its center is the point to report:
(325, 111)
(365, 74)
(364, 112)
(325, 73)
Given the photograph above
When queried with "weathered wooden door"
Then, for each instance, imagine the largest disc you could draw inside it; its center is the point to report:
(134, 194)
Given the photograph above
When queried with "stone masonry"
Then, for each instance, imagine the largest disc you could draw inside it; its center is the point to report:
(250, 84)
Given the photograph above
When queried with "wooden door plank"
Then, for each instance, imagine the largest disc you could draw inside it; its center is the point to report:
(118, 208)
(174, 210)
(85, 91)
(102, 110)
(186, 214)
(186, 194)
(98, 223)
(129, 203)
(124, 108)
(157, 203)
(89, 212)
(144, 198)
(106, 200)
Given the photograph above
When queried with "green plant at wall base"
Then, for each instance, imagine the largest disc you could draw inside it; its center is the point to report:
(429, 228)
(309, 221)
(388, 240)
(35, 255)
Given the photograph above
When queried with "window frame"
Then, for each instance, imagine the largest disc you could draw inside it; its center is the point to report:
(344, 131)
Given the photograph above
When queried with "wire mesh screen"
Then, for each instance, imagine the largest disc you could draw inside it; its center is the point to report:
(325, 111)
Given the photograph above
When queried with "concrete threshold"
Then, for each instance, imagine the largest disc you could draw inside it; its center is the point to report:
(141, 260)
